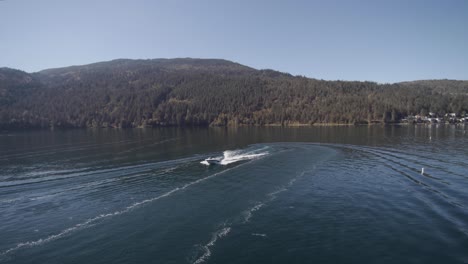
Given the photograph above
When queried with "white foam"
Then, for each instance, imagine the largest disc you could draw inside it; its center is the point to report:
(249, 212)
(205, 163)
(258, 234)
(273, 194)
(239, 155)
(231, 156)
(217, 235)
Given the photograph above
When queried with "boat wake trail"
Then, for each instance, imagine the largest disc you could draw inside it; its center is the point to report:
(247, 214)
(245, 218)
(232, 156)
(92, 221)
(206, 248)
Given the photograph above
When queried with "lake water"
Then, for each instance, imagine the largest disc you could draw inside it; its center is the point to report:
(281, 195)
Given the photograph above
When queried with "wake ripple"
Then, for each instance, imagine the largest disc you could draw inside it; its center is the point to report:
(247, 214)
(207, 252)
(94, 220)
(271, 196)
(40, 177)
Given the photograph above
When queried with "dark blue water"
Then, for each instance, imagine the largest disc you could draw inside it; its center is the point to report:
(280, 195)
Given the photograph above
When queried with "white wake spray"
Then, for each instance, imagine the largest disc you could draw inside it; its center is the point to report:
(231, 156)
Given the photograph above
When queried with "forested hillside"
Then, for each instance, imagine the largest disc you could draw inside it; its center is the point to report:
(202, 92)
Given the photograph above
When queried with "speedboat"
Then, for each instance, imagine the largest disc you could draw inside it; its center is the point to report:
(213, 161)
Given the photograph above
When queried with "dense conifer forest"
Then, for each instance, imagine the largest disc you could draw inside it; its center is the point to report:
(206, 92)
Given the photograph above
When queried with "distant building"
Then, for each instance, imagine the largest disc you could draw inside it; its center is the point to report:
(435, 118)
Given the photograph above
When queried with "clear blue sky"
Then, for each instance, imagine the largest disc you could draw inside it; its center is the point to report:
(383, 41)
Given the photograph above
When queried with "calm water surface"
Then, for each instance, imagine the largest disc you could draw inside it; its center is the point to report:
(281, 195)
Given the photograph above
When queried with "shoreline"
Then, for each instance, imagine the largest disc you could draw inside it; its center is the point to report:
(293, 125)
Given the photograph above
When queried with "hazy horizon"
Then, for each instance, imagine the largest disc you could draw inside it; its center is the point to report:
(377, 41)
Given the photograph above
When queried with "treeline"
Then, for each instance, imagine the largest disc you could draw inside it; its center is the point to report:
(194, 92)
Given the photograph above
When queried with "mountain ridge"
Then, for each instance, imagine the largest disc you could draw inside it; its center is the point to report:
(203, 92)
(222, 60)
